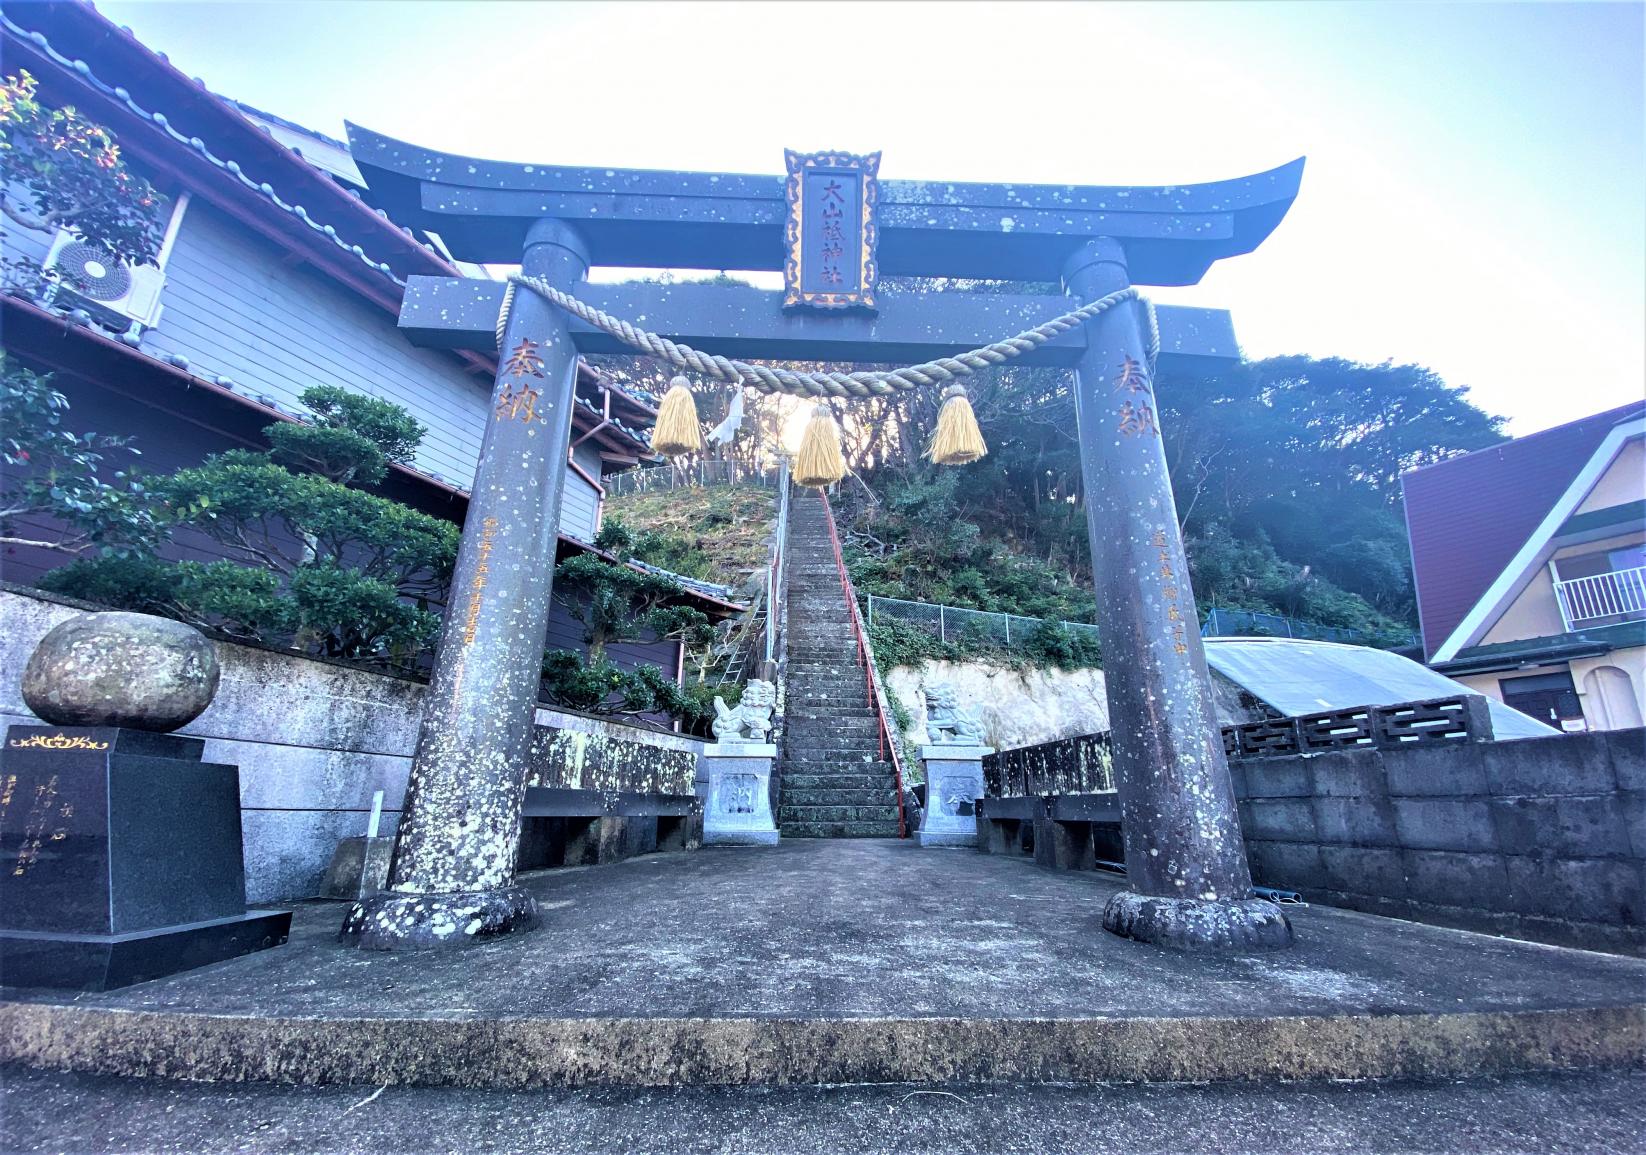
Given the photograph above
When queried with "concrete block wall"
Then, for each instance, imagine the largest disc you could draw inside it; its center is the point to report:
(1543, 839)
(314, 740)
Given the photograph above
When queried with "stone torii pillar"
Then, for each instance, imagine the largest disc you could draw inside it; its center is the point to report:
(452, 880)
(1190, 886)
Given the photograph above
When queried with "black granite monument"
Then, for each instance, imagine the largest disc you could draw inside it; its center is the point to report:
(120, 859)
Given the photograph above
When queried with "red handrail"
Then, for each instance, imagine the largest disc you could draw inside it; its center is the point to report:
(873, 690)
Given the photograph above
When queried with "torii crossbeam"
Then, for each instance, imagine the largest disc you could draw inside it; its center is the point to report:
(453, 875)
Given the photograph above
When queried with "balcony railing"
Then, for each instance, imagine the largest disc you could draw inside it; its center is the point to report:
(1619, 595)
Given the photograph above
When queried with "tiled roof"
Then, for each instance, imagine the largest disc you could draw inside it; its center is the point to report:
(639, 438)
(194, 143)
(1467, 517)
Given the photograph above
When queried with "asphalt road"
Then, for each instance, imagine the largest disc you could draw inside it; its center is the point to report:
(1593, 1113)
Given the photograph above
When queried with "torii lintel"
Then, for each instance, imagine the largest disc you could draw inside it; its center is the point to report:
(640, 218)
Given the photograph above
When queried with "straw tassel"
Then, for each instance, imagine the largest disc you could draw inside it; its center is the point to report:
(677, 430)
(958, 440)
(820, 462)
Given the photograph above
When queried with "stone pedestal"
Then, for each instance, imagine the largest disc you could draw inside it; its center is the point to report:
(120, 859)
(954, 783)
(738, 809)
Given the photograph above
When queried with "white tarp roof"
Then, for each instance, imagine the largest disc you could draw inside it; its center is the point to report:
(1303, 677)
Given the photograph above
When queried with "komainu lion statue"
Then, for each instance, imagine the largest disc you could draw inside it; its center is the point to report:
(946, 723)
(751, 719)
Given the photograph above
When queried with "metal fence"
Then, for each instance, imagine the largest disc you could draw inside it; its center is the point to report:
(1221, 623)
(688, 475)
(953, 623)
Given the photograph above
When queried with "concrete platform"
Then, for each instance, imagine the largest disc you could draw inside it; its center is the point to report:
(848, 962)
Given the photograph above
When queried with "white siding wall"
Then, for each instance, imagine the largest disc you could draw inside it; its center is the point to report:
(580, 504)
(235, 310)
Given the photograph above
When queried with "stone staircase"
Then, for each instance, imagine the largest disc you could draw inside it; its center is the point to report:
(834, 782)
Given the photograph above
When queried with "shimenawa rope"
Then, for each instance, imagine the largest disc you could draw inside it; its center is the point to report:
(869, 383)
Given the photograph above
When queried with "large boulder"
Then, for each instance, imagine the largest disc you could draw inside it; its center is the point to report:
(120, 669)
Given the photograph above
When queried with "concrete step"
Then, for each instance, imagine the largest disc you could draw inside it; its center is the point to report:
(835, 781)
(854, 796)
(845, 725)
(810, 760)
(839, 829)
(882, 813)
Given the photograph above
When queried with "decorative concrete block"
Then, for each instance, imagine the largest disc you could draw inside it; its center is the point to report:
(954, 783)
(738, 811)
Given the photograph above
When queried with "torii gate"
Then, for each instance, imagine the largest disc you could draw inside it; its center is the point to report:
(453, 878)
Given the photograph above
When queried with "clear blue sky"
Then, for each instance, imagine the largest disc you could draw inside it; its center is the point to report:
(1475, 199)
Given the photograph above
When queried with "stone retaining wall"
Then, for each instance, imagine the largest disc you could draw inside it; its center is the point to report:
(314, 740)
(1543, 838)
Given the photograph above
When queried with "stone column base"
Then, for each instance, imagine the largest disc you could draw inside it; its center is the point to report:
(394, 920)
(1197, 924)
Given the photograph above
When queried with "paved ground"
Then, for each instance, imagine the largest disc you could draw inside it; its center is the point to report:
(847, 962)
(866, 928)
(1598, 1113)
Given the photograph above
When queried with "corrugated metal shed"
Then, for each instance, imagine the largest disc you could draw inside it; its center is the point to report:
(1299, 677)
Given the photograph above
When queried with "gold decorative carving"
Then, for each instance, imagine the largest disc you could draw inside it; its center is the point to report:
(56, 742)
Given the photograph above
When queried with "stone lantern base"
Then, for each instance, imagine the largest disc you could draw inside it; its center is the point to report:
(954, 783)
(738, 811)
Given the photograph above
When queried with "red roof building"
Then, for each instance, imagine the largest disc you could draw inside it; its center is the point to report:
(1530, 571)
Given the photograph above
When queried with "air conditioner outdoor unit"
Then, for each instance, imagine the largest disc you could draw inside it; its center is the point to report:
(117, 294)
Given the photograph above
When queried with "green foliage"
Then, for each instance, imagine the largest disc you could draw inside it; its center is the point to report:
(1287, 470)
(352, 438)
(918, 544)
(319, 566)
(59, 170)
(344, 613)
(713, 533)
(617, 603)
(78, 479)
(266, 514)
(1053, 643)
(600, 687)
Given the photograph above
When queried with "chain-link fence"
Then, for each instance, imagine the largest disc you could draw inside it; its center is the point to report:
(1221, 623)
(686, 475)
(955, 624)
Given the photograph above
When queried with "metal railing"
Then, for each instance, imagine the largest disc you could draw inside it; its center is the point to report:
(945, 622)
(889, 737)
(1617, 594)
(688, 475)
(777, 573)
